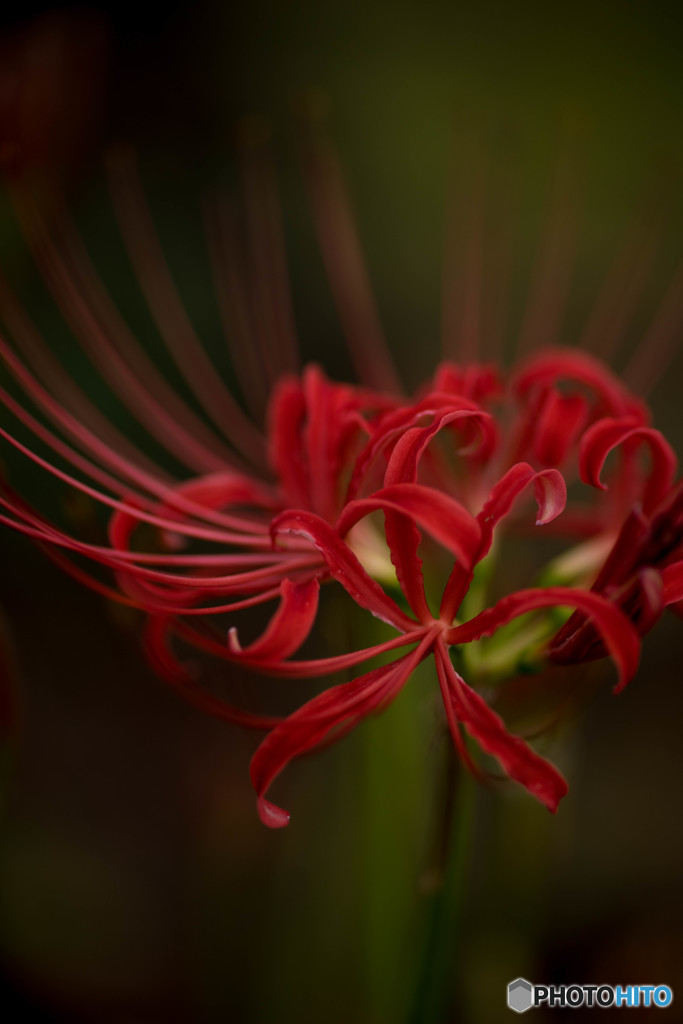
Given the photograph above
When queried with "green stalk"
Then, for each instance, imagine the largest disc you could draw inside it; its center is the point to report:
(395, 787)
(438, 969)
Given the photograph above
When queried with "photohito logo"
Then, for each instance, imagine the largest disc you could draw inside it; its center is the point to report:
(522, 995)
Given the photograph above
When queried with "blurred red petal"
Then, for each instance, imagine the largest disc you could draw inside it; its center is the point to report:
(555, 365)
(560, 421)
(606, 435)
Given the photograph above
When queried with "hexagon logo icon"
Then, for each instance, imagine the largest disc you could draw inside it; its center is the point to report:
(520, 995)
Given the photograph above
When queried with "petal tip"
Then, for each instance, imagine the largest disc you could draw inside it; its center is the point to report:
(273, 816)
(234, 645)
(551, 798)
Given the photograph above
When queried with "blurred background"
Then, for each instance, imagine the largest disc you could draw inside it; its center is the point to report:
(136, 883)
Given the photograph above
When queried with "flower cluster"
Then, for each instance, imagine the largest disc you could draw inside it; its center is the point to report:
(358, 486)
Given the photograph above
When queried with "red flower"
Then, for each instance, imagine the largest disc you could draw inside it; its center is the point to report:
(411, 508)
(642, 572)
(407, 504)
(275, 513)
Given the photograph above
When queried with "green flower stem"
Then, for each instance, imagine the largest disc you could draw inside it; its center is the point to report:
(438, 970)
(395, 788)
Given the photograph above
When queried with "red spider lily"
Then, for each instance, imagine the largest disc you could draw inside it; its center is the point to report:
(641, 574)
(408, 506)
(286, 508)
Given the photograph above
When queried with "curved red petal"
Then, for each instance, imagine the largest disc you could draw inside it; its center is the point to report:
(308, 727)
(606, 435)
(343, 565)
(640, 599)
(551, 497)
(480, 382)
(625, 553)
(515, 756)
(619, 635)
(287, 629)
(408, 450)
(392, 425)
(574, 365)
(550, 491)
(443, 517)
(402, 535)
(403, 539)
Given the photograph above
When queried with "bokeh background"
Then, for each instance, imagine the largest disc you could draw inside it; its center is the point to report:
(136, 883)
